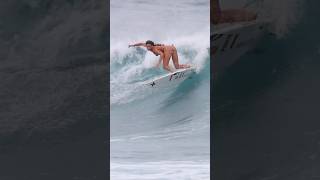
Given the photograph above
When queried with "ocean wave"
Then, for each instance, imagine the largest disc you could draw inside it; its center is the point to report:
(161, 170)
(131, 66)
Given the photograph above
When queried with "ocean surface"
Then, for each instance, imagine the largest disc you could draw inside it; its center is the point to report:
(266, 107)
(159, 134)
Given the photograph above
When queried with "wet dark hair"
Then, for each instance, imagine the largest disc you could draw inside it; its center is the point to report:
(150, 42)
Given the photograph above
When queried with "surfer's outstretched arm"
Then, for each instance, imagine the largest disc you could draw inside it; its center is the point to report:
(138, 44)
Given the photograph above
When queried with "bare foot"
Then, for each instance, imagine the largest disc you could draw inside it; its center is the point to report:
(184, 66)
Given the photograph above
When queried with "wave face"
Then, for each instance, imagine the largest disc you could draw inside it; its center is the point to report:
(167, 128)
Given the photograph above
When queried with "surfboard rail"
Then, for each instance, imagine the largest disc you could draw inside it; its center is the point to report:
(173, 78)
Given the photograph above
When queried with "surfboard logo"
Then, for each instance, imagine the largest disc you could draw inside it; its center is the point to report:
(176, 75)
(153, 83)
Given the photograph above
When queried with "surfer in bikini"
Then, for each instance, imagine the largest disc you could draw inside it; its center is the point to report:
(219, 16)
(166, 52)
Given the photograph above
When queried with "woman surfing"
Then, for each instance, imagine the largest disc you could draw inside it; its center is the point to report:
(166, 53)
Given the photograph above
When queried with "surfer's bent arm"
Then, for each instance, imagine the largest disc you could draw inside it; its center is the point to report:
(138, 44)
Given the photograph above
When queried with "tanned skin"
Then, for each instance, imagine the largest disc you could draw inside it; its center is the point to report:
(166, 53)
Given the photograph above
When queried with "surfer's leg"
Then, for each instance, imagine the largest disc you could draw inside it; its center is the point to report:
(165, 62)
(175, 60)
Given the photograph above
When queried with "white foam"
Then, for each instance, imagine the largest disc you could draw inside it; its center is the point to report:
(186, 170)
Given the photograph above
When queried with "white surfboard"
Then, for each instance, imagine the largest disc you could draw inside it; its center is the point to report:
(232, 40)
(169, 79)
